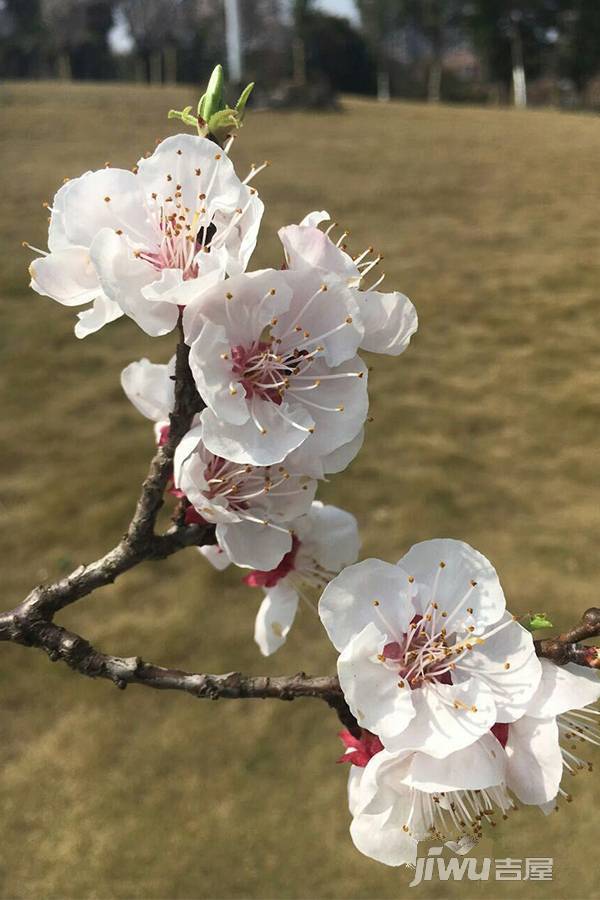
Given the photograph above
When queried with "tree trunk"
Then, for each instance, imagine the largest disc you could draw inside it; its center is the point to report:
(170, 64)
(434, 80)
(518, 69)
(156, 67)
(299, 61)
(383, 85)
(63, 66)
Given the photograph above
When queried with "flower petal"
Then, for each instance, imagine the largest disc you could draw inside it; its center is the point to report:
(508, 664)
(390, 320)
(563, 688)
(370, 591)
(439, 727)
(67, 276)
(480, 765)
(370, 688)
(252, 545)
(275, 618)
(150, 388)
(535, 763)
(453, 581)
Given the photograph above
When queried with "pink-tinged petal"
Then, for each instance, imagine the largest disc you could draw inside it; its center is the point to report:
(215, 555)
(370, 591)
(448, 717)
(535, 763)
(506, 660)
(480, 765)
(218, 385)
(150, 387)
(390, 320)
(563, 688)
(459, 578)
(307, 247)
(275, 617)
(122, 277)
(252, 545)
(370, 688)
(67, 276)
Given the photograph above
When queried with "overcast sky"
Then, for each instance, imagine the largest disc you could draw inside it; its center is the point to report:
(340, 7)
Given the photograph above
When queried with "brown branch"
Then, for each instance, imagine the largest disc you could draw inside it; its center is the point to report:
(566, 648)
(31, 622)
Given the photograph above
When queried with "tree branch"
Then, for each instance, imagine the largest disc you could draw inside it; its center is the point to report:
(566, 648)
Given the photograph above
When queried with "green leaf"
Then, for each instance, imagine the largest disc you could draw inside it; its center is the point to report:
(538, 621)
(241, 104)
(213, 99)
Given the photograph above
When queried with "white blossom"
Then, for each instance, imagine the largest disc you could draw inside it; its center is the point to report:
(399, 799)
(143, 242)
(324, 541)
(429, 658)
(250, 505)
(273, 356)
(389, 320)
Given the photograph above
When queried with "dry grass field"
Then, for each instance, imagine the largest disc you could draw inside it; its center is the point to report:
(487, 429)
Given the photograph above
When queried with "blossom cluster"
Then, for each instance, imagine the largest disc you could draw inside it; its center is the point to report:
(459, 721)
(457, 718)
(273, 352)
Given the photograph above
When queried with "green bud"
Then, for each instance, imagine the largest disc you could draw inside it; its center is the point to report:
(214, 117)
(538, 621)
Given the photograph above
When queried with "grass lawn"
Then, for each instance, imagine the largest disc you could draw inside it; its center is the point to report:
(487, 429)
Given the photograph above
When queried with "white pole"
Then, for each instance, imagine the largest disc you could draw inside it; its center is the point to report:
(233, 38)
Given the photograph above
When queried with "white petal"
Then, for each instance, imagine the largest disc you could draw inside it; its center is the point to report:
(347, 603)
(150, 387)
(390, 320)
(346, 396)
(67, 276)
(438, 728)
(370, 688)
(312, 219)
(535, 762)
(330, 318)
(254, 546)
(563, 688)
(101, 312)
(246, 444)
(108, 198)
(180, 156)
(388, 844)
(210, 362)
(330, 535)
(275, 618)
(122, 277)
(463, 565)
(478, 766)
(216, 556)
(514, 687)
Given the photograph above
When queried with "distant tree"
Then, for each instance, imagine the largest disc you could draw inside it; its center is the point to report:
(338, 52)
(380, 19)
(159, 28)
(77, 33)
(22, 39)
(515, 36)
(581, 49)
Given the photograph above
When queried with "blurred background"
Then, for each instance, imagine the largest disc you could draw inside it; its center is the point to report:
(487, 429)
(303, 51)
